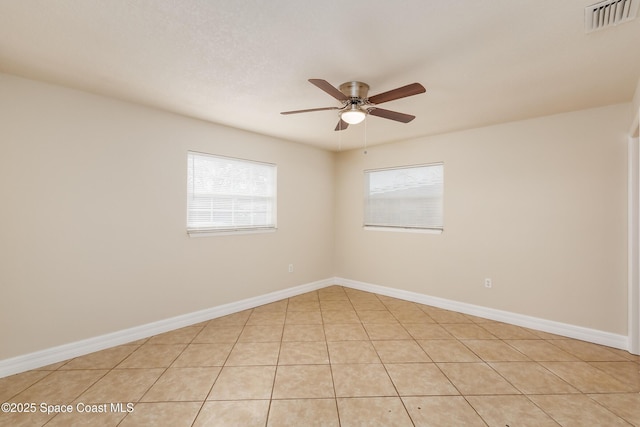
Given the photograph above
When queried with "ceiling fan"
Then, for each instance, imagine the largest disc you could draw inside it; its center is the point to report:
(356, 105)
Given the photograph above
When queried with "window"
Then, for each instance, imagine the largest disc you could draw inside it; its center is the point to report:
(405, 198)
(229, 195)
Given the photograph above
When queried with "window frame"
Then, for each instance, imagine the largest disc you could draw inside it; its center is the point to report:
(369, 225)
(203, 231)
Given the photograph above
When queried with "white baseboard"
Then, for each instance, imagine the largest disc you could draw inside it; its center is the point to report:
(558, 328)
(79, 348)
(57, 354)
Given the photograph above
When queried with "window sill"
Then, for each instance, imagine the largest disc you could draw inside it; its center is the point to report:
(211, 233)
(404, 230)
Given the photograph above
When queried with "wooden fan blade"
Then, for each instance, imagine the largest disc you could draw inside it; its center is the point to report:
(401, 92)
(331, 90)
(391, 115)
(342, 125)
(310, 110)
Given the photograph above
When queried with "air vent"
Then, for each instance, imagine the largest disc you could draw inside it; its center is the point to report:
(609, 13)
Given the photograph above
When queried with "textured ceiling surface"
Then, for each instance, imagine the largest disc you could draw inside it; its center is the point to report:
(240, 63)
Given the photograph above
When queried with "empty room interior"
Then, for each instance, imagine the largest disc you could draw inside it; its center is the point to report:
(207, 219)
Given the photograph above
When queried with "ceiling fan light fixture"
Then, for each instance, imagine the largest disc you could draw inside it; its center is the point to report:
(353, 116)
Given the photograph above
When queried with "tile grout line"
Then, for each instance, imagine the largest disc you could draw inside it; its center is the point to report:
(333, 382)
(275, 374)
(221, 367)
(144, 393)
(204, 401)
(387, 371)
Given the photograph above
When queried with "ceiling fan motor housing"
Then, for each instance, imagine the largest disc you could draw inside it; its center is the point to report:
(357, 91)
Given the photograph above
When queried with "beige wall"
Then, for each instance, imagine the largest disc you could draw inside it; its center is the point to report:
(92, 225)
(539, 206)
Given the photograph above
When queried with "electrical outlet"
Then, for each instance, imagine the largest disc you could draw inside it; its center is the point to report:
(488, 283)
(290, 268)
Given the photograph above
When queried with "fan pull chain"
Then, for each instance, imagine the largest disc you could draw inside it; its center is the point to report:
(365, 136)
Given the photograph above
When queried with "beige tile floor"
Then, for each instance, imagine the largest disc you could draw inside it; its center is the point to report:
(339, 357)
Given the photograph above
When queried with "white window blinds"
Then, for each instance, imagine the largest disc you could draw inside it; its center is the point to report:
(407, 197)
(227, 194)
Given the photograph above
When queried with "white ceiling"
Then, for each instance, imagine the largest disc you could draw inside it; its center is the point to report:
(240, 63)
